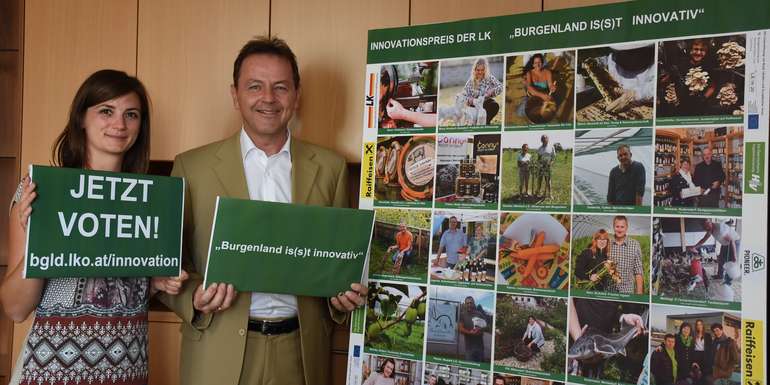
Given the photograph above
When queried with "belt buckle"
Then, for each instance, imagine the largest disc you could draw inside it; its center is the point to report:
(264, 327)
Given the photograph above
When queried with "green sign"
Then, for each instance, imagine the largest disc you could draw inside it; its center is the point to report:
(576, 27)
(103, 224)
(285, 248)
(755, 168)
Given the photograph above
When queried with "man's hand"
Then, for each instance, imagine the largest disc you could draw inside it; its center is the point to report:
(348, 301)
(169, 285)
(218, 297)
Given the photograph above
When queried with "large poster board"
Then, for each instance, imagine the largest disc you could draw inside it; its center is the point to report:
(582, 183)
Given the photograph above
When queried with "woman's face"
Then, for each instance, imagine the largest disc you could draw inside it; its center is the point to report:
(387, 371)
(537, 63)
(601, 243)
(686, 166)
(112, 126)
(479, 71)
(686, 331)
(699, 326)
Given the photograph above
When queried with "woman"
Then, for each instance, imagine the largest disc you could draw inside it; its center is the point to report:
(384, 376)
(682, 186)
(538, 79)
(703, 354)
(523, 160)
(684, 351)
(481, 88)
(95, 327)
(589, 261)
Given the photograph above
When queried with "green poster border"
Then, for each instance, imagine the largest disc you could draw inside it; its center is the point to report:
(606, 209)
(603, 295)
(700, 303)
(486, 366)
(539, 291)
(529, 372)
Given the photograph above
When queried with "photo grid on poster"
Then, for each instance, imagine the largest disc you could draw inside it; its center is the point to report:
(558, 216)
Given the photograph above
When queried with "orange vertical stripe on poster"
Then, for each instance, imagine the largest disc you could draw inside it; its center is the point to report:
(371, 84)
(371, 117)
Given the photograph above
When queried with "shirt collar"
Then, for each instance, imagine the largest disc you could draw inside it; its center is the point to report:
(248, 146)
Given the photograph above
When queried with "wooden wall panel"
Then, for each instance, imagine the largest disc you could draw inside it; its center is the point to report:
(64, 42)
(187, 66)
(436, 11)
(10, 27)
(9, 170)
(549, 5)
(331, 50)
(10, 103)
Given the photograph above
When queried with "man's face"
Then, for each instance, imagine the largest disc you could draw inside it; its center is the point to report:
(620, 228)
(402, 227)
(544, 139)
(432, 380)
(708, 225)
(452, 223)
(470, 303)
(669, 343)
(624, 156)
(698, 52)
(265, 94)
(707, 152)
(499, 381)
(718, 332)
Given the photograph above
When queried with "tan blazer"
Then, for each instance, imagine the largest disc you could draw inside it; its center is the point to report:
(213, 346)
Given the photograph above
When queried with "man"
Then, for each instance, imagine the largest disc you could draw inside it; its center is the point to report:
(627, 179)
(499, 380)
(606, 317)
(545, 157)
(254, 338)
(726, 355)
(474, 335)
(664, 365)
(402, 250)
(452, 241)
(709, 175)
(627, 255)
(729, 242)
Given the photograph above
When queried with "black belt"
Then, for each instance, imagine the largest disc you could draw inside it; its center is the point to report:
(274, 327)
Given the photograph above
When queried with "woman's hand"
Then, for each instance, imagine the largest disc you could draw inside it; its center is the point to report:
(169, 285)
(24, 204)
